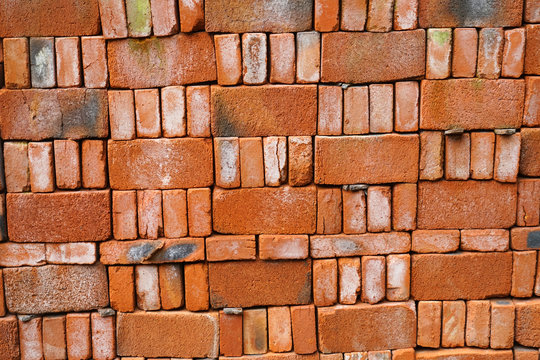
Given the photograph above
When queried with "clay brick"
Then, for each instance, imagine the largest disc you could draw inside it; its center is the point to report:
(160, 163)
(406, 106)
(490, 53)
(198, 111)
(349, 280)
(398, 277)
(113, 19)
(279, 329)
(527, 316)
(171, 286)
(173, 111)
(94, 164)
(482, 155)
(42, 69)
(139, 18)
(464, 354)
(17, 63)
(532, 11)
(502, 320)
(432, 13)
(17, 170)
(403, 354)
(326, 15)
(429, 323)
(40, 159)
(379, 208)
(353, 15)
(181, 59)
(199, 206)
(471, 104)
(354, 212)
(381, 108)
(468, 276)
(282, 58)
(147, 117)
(376, 57)
(168, 334)
(369, 159)
(197, 288)
(254, 58)
(300, 167)
(330, 110)
(528, 213)
(453, 324)
(251, 162)
(367, 327)
(380, 16)
(71, 253)
(78, 336)
(466, 205)
(9, 338)
(329, 210)
(124, 214)
(477, 329)
(522, 353)
(55, 113)
(275, 160)
(308, 57)
(275, 247)
(304, 331)
(103, 337)
(149, 214)
(513, 53)
(457, 157)
(228, 59)
(405, 14)
(519, 238)
(147, 287)
(356, 110)
(122, 288)
(277, 356)
(523, 271)
(59, 217)
(262, 282)
(227, 158)
(435, 241)
(531, 116)
(174, 213)
(164, 17)
(530, 151)
(242, 211)
(255, 330)
(485, 240)
(532, 49)
(325, 280)
(324, 246)
(263, 16)
(121, 114)
(464, 52)
(49, 18)
(404, 207)
(67, 164)
(439, 49)
(191, 15)
(230, 247)
(30, 337)
(94, 61)
(230, 336)
(54, 337)
(507, 151)
(373, 278)
(431, 155)
(289, 110)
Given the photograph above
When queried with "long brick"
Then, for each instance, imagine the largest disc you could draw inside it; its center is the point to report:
(155, 62)
(363, 57)
(264, 110)
(464, 354)
(180, 334)
(471, 104)
(466, 205)
(55, 288)
(283, 210)
(274, 356)
(530, 152)
(469, 13)
(527, 320)
(366, 159)
(239, 16)
(329, 246)
(59, 217)
(364, 327)
(36, 114)
(49, 18)
(259, 283)
(160, 163)
(461, 276)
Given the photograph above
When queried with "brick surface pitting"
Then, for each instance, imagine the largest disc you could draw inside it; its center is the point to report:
(270, 179)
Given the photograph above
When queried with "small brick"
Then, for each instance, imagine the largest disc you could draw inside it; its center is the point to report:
(477, 329)
(405, 14)
(54, 337)
(453, 324)
(380, 355)
(530, 151)
(191, 15)
(523, 272)
(304, 330)
(230, 339)
(164, 17)
(94, 61)
(404, 207)
(230, 247)
(147, 287)
(103, 337)
(439, 49)
(228, 59)
(175, 224)
(532, 48)
(522, 353)
(198, 111)
(507, 151)
(325, 282)
(42, 64)
(435, 241)
(404, 354)
(199, 205)
(353, 15)
(173, 111)
(528, 207)
(519, 238)
(196, 283)
(122, 288)
(113, 19)
(373, 279)
(227, 162)
(41, 166)
(67, 164)
(406, 106)
(429, 323)
(513, 53)
(147, 113)
(379, 208)
(532, 11)
(356, 110)
(329, 211)
(71, 253)
(276, 247)
(431, 155)
(300, 167)
(485, 240)
(139, 18)
(30, 337)
(380, 16)
(381, 108)
(502, 321)
(349, 280)
(94, 164)
(398, 277)
(16, 63)
(531, 115)
(464, 52)
(251, 162)
(282, 58)
(324, 246)
(149, 214)
(121, 114)
(124, 214)
(330, 110)
(326, 15)
(457, 157)
(254, 58)
(279, 329)
(482, 155)
(527, 315)
(490, 53)
(255, 331)
(354, 212)
(308, 57)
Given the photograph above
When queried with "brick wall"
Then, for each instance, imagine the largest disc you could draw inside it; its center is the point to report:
(270, 179)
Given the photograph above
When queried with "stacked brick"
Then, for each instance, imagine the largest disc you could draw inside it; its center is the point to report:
(272, 180)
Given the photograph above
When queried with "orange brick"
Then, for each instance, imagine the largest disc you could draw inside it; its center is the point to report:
(17, 170)
(513, 53)
(41, 166)
(403, 354)
(379, 208)
(199, 205)
(354, 212)
(405, 14)
(458, 157)
(329, 210)
(94, 164)
(353, 15)
(300, 150)
(124, 214)
(198, 111)
(482, 155)
(464, 353)
(30, 338)
(275, 160)
(507, 151)
(78, 336)
(54, 337)
(477, 329)
(67, 164)
(255, 331)
(530, 151)
(42, 64)
(485, 240)
(149, 214)
(356, 110)
(71, 253)
(527, 315)
(94, 61)
(122, 288)
(173, 111)
(380, 16)
(528, 208)
(121, 114)
(16, 63)
(330, 110)
(381, 108)
(9, 337)
(326, 15)
(439, 49)
(522, 353)
(164, 17)
(524, 269)
(230, 247)
(429, 323)
(196, 282)
(147, 113)
(171, 286)
(14, 254)
(325, 280)
(2, 299)
(274, 247)
(254, 59)
(531, 115)
(373, 278)
(453, 324)
(227, 162)
(404, 207)
(68, 63)
(147, 287)
(282, 58)
(191, 15)
(406, 106)
(502, 321)
(304, 329)
(103, 337)
(431, 155)
(113, 19)
(398, 277)
(230, 335)
(532, 64)
(324, 246)
(308, 57)
(349, 280)
(228, 59)
(251, 162)
(175, 223)
(464, 52)
(518, 237)
(279, 329)
(490, 52)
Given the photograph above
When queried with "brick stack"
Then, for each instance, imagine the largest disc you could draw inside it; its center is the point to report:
(270, 179)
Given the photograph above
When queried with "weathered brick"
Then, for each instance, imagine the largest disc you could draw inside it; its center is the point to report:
(372, 57)
(527, 320)
(466, 205)
(532, 50)
(9, 338)
(288, 110)
(160, 163)
(255, 331)
(59, 217)
(366, 159)
(230, 247)
(37, 114)
(179, 334)
(363, 327)
(276, 356)
(460, 276)
(274, 247)
(155, 62)
(530, 152)
(471, 104)
(464, 354)
(324, 246)
(261, 283)
(55, 288)
(14, 254)
(78, 336)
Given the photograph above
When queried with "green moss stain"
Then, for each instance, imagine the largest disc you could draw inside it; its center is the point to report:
(440, 37)
(148, 53)
(139, 17)
(478, 84)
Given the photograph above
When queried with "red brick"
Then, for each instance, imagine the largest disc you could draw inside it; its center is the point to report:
(445, 13)
(453, 324)
(199, 204)
(17, 172)
(300, 150)
(514, 53)
(261, 281)
(164, 17)
(398, 277)
(429, 324)
(464, 354)
(381, 108)
(406, 106)
(55, 113)
(304, 330)
(252, 16)
(439, 49)
(173, 111)
(308, 57)
(523, 272)
(282, 58)
(171, 286)
(71, 253)
(94, 61)
(42, 69)
(228, 59)
(40, 159)
(149, 214)
(122, 288)
(196, 286)
(124, 214)
(94, 164)
(255, 330)
(30, 337)
(471, 104)
(252, 210)
(373, 278)
(367, 327)
(528, 213)
(103, 337)
(275, 160)
(366, 159)
(405, 14)
(502, 321)
(490, 53)
(482, 155)
(230, 336)
(17, 63)
(435, 241)
(354, 212)
(380, 16)
(191, 15)
(59, 217)
(376, 57)
(251, 162)
(227, 158)
(174, 213)
(353, 15)
(147, 287)
(485, 240)
(379, 208)
(275, 247)
(324, 246)
(254, 59)
(477, 329)
(198, 111)
(466, 205)
(532, 50)
(78, 336)
(49, 18)
(68, 63)
(147, 118)
(530, 152)
(349, 280)
(460, 276)
(325, 282)
(356, 110)
(289, 110)
(55, 288)
(54, 337)
(457, 157)
(330, 110)
(67, 164)
(531, 116)
(156, 62)
(526, 325)
(404, 207)
(168, 334)
(277, 356)
(403, 354)
(2, 297)
(329, 210)
(279, 329)
(464, 52)
(326, 15)
(507, 152)
(532, 11)
(522, 353)
(230, 247)
(518, 238)
(122, 115)
(160, 163)
(431, 155)
(113, 18)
